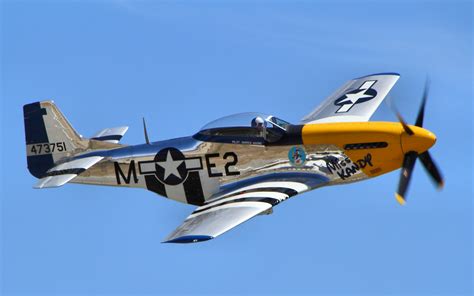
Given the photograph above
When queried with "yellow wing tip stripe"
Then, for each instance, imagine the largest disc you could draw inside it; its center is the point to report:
(400, 199)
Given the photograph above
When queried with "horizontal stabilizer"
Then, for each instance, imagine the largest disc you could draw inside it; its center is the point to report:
(54, 181)
(111, 135)
(65, 172)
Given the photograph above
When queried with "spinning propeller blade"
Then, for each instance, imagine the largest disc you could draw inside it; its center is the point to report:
(411, 156)
(431, 168)
(402, 121)
(421, 113)
(407, 169)
(405, 126)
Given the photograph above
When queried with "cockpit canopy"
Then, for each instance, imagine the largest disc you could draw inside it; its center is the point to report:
(244, 128)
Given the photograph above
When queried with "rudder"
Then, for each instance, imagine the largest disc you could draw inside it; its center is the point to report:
(49, 137)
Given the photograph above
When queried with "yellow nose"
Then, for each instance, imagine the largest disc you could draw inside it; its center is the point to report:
(421, 141)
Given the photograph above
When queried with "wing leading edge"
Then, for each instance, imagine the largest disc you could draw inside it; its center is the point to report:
(355, 101)
(233, 208)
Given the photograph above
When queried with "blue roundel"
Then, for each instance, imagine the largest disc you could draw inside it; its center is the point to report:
(297, 156)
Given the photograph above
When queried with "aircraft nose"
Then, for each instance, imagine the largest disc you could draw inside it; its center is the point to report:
(421, 141)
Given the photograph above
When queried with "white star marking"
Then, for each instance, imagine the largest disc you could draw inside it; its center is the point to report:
(351, 100)
(171, 166)
(355, 97)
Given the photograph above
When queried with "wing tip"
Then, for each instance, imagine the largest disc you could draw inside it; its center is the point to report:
(186, 239)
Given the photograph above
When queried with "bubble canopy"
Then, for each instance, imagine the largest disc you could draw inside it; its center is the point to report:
(249, 127)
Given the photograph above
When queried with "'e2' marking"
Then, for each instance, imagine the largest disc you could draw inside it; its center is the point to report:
(130, 175)
(233, 159)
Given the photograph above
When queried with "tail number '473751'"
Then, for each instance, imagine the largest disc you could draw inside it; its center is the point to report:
(46, 148)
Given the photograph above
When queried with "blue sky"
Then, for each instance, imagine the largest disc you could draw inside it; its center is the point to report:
(183, 64)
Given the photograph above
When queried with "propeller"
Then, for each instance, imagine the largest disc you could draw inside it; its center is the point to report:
(410, 157)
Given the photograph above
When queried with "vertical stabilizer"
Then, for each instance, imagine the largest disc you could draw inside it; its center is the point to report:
(49, 137)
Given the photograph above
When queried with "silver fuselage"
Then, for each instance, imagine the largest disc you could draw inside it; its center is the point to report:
(207, 169)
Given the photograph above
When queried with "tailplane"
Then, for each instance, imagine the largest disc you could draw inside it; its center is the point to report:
(55, 151)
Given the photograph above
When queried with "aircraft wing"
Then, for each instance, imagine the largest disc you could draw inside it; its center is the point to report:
(233, 208)
(355, 101)
(65, 172)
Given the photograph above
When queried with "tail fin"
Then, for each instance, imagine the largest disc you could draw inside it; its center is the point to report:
(49, 137)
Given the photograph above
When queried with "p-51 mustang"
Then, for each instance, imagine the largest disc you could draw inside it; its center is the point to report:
(242, 165)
